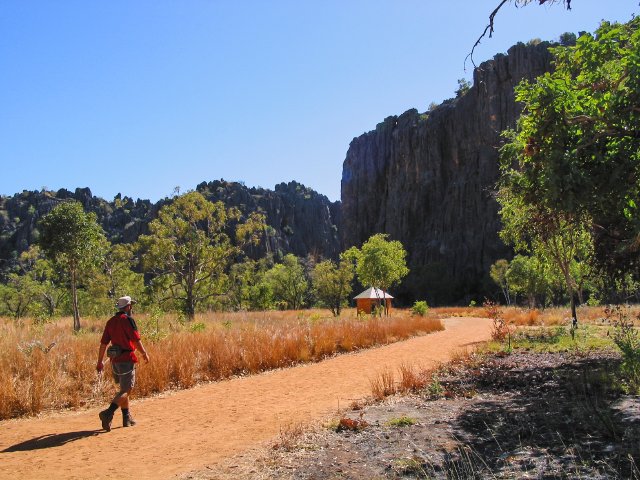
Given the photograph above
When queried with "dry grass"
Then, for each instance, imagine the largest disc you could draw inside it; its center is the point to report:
(36, 377)
(410, 379)
(443, 312)
(383, 385)
(531, 317)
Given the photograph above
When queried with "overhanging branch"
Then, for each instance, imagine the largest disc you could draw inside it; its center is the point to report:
(492, 16)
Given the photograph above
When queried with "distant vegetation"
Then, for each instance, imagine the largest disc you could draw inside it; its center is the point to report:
(194, 259)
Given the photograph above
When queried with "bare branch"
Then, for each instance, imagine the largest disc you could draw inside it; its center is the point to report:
(492, 16)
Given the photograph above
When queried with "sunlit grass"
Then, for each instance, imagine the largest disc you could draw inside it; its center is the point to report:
(520, 316)
(48, 367)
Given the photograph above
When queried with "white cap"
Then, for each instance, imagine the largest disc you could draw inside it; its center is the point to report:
(124, 301)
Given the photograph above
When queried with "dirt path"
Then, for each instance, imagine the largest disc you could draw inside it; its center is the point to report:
(190, 429)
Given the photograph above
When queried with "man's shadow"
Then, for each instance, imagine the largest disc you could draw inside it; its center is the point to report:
(50, 441)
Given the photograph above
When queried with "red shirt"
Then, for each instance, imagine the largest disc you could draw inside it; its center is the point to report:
(122, 330)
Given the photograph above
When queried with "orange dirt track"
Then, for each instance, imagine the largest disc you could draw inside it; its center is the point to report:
(191, 429)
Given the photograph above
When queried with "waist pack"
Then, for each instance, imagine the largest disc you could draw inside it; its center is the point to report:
(115, 351)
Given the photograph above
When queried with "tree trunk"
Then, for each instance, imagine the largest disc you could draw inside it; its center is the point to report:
(74, 301)
(190, 309)
(574, 315)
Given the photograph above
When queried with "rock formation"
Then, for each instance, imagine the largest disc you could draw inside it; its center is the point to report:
(300, 221)
(427, 180)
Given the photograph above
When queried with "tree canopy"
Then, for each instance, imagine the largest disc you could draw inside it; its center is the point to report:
(74, 241)
(332, 283)
(380, 263)
(189, 249)
(575, 154)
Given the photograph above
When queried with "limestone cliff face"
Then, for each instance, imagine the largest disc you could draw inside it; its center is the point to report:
(427, 180)
(301, 221)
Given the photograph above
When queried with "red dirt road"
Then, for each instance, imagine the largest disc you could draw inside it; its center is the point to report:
(190, 429)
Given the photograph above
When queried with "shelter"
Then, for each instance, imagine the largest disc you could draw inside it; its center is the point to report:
(371, 297)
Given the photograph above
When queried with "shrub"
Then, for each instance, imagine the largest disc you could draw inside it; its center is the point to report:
(627, 340)
(403, 421)
(420, 308)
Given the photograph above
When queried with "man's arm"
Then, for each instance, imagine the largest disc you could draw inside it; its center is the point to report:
(141, 349)
(100, 364)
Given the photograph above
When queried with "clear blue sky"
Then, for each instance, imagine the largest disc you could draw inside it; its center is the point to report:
(142, 96)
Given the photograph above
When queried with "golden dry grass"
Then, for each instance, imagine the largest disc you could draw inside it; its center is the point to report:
(520, 316)
(47, 367)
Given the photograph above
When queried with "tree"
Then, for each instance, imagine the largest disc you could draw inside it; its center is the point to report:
(189, 249)
(44, 274)
(526, 275)
(380, 263)
(576, 148)
(558, 238)
(122, 280)
(568, 39)
(498, 273)
(247, 286)
(332, 283)
(74, 241)
(464, 86)
(288, 282)
(18, 295)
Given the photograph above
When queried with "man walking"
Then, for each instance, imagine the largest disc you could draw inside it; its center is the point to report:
(122, 332)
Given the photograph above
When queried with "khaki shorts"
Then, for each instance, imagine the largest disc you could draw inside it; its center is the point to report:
(124, 374)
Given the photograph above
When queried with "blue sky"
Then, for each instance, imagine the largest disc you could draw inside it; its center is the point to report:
(140, 97)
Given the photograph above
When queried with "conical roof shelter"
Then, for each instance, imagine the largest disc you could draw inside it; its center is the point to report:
(370, 298)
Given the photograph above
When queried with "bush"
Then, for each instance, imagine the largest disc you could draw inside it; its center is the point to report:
(627, 339)
(420, 308)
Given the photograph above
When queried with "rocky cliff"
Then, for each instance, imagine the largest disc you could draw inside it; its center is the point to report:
(300, 221)
(427, 180)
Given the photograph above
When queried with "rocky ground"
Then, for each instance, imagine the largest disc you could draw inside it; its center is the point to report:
(521, 415)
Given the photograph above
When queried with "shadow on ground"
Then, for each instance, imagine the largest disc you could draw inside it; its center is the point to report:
(559, 420)
(50, 441)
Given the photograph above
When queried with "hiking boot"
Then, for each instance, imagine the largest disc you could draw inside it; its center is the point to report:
(106, 417)
(128, 421)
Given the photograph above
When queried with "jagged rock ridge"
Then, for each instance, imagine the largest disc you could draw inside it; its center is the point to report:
(300, 221)
(427, 180)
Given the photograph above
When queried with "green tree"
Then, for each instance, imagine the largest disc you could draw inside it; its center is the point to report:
(74, 241)
(568, 39)
(189, 250)
(380, 263)
(332, 283)
(498, 273)
(18, 295)
(43, 272)
(527, 277)
(464, 86)
(558, 238)
(248, 289)
(576, 150)
(122, 280)
(288, 282)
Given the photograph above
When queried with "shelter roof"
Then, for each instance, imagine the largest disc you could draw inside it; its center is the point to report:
(372, 292)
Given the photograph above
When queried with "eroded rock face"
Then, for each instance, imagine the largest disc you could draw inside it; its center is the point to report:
(427, 180)
(300, 220)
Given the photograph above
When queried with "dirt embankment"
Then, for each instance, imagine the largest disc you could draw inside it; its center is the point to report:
(192, 429)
